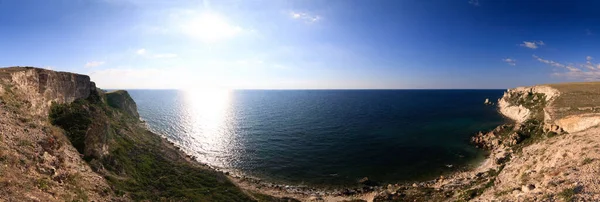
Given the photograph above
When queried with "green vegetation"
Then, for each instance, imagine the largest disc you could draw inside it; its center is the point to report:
(42, 184)
(587, 161)
(262, 197)
(139, 164)
(153, 177)
(535, 102)
(567, 194)
(74, 118)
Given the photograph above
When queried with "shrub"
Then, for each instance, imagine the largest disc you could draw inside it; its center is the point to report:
(567, 194)
(74, 118)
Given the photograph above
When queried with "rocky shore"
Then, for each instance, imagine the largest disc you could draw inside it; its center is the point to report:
(542, 155)
(63, 139)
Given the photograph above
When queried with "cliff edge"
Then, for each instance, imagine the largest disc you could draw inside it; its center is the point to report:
(63, 139)
(549, 151)
(561, 163)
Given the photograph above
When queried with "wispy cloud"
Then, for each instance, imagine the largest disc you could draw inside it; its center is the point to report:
(474, 2)
(147, 54)
(589, 64)
(509, 61)
(589, 71)
(141, 51)
(588, 32)
(306, 17)
(550, 62)
(532, 44)
(94, 64)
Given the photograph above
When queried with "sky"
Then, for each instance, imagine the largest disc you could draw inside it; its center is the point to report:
(304, 44)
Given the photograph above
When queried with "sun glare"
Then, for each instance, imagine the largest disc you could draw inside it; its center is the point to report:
(210, 27)
(210, 113)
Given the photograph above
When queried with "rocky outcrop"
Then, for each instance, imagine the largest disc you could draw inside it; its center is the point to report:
(37, 161)
(61, 141)
(122, 100)
(517, 113)
(519, 104)
(41, 87)
(578, 123)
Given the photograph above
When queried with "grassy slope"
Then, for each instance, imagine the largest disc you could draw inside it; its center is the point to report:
(575, 97)
(140, 164)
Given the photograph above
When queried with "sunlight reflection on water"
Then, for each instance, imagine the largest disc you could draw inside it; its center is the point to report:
(210, 133)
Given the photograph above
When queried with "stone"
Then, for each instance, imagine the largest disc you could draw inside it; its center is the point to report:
(487, 102)
(366, 181)
(528, 188)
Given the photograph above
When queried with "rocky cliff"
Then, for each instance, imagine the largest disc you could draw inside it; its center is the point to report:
(577, 108)
(37, 160)
(39, 87)
(62, 139)
(521, 104)
(550, 151)
(121, 99)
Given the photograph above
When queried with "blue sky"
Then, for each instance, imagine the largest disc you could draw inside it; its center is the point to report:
(279, 44)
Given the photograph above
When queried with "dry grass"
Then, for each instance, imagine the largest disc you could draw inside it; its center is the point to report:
(576, 98)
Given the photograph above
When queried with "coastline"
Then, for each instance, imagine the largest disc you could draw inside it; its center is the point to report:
(256, 185)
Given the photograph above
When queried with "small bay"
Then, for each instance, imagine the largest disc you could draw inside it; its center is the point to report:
(325, 137)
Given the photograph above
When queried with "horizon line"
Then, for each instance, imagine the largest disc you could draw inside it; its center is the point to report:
(316, 89)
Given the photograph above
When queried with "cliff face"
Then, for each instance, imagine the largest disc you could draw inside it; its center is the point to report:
(573, 107)
(550, 164)
(550, 152)
(122, 100)
(61, 141)
(41, 87)
(37, 160)
(521, 103)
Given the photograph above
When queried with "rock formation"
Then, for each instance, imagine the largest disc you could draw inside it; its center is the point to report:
(61, 141)
(40, 87)
(122, 100)
(549, 152)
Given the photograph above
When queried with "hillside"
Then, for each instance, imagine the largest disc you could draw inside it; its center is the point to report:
(63, 139)
(550, 151)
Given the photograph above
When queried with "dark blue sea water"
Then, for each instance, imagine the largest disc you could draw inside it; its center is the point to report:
(325, 137)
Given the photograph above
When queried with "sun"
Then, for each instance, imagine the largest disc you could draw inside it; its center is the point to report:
(210, 27)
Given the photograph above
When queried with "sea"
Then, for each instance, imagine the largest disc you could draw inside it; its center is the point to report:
(325, 138)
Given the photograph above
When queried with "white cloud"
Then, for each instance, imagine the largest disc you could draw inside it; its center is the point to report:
(573, 69)
(589, 71)
(141, 51)
(509, 61)
(148, 54)
(127, 77)
(306, 17)
(474, 2)
(588, 64)
(550, 62)
(532, 44)
(94, 64)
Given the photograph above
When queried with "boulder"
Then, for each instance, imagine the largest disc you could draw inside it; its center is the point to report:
(366, 181)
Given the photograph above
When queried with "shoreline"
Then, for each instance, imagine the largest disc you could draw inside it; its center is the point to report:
(341, 193)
